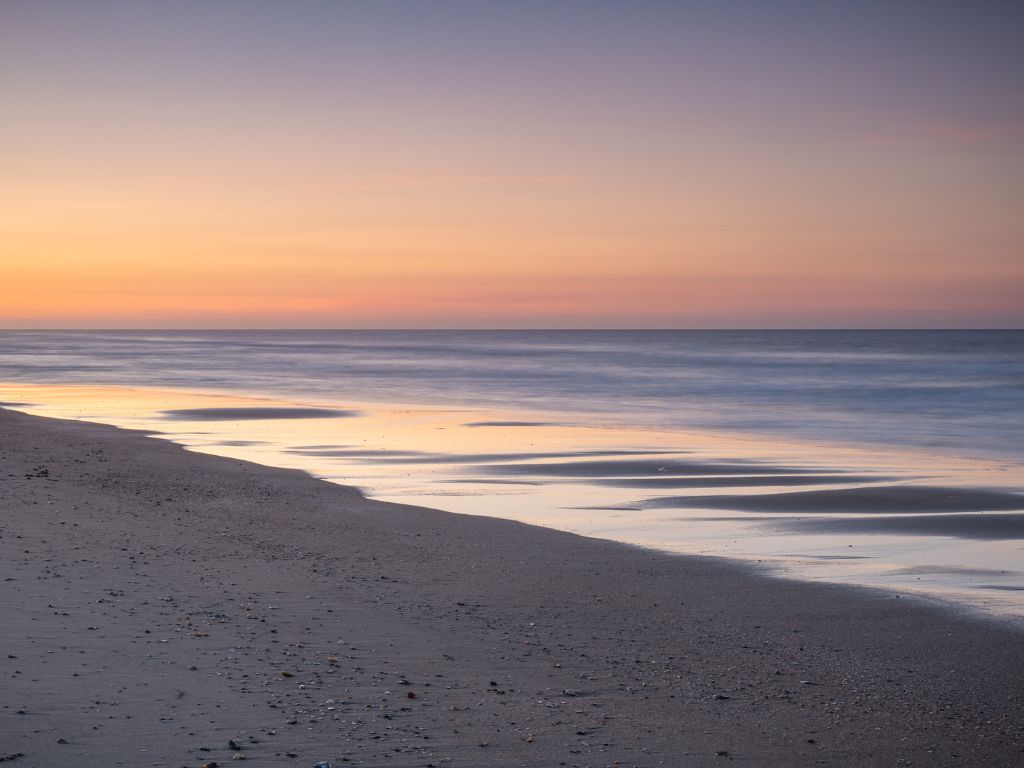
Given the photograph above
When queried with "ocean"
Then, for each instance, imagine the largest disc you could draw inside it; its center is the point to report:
(960, 392)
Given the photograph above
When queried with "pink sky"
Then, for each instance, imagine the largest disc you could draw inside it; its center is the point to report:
(509, 165)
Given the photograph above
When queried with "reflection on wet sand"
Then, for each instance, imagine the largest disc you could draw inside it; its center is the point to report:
(355, 453)
(638, 468)
(733, 481)
(495, 459)
(514, 424)
(233, 414)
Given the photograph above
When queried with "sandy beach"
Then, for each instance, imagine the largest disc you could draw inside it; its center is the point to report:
(167, 608)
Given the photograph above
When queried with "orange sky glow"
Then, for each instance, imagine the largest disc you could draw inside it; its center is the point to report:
(170, 172)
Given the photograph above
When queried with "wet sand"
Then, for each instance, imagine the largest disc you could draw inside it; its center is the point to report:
(166, 608)
(998, 526)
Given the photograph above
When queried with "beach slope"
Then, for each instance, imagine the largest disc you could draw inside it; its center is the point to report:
(166, 608)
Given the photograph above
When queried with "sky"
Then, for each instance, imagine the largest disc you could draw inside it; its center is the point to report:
(495, 164)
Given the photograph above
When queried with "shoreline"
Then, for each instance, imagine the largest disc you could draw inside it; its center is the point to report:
(217, 600)
(634, 486)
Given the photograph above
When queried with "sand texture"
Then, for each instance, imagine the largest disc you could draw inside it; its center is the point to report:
(165, 608)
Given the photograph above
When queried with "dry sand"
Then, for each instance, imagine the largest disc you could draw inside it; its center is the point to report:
(161, 608)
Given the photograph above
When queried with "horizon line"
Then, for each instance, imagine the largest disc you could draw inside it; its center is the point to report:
(521, 329)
